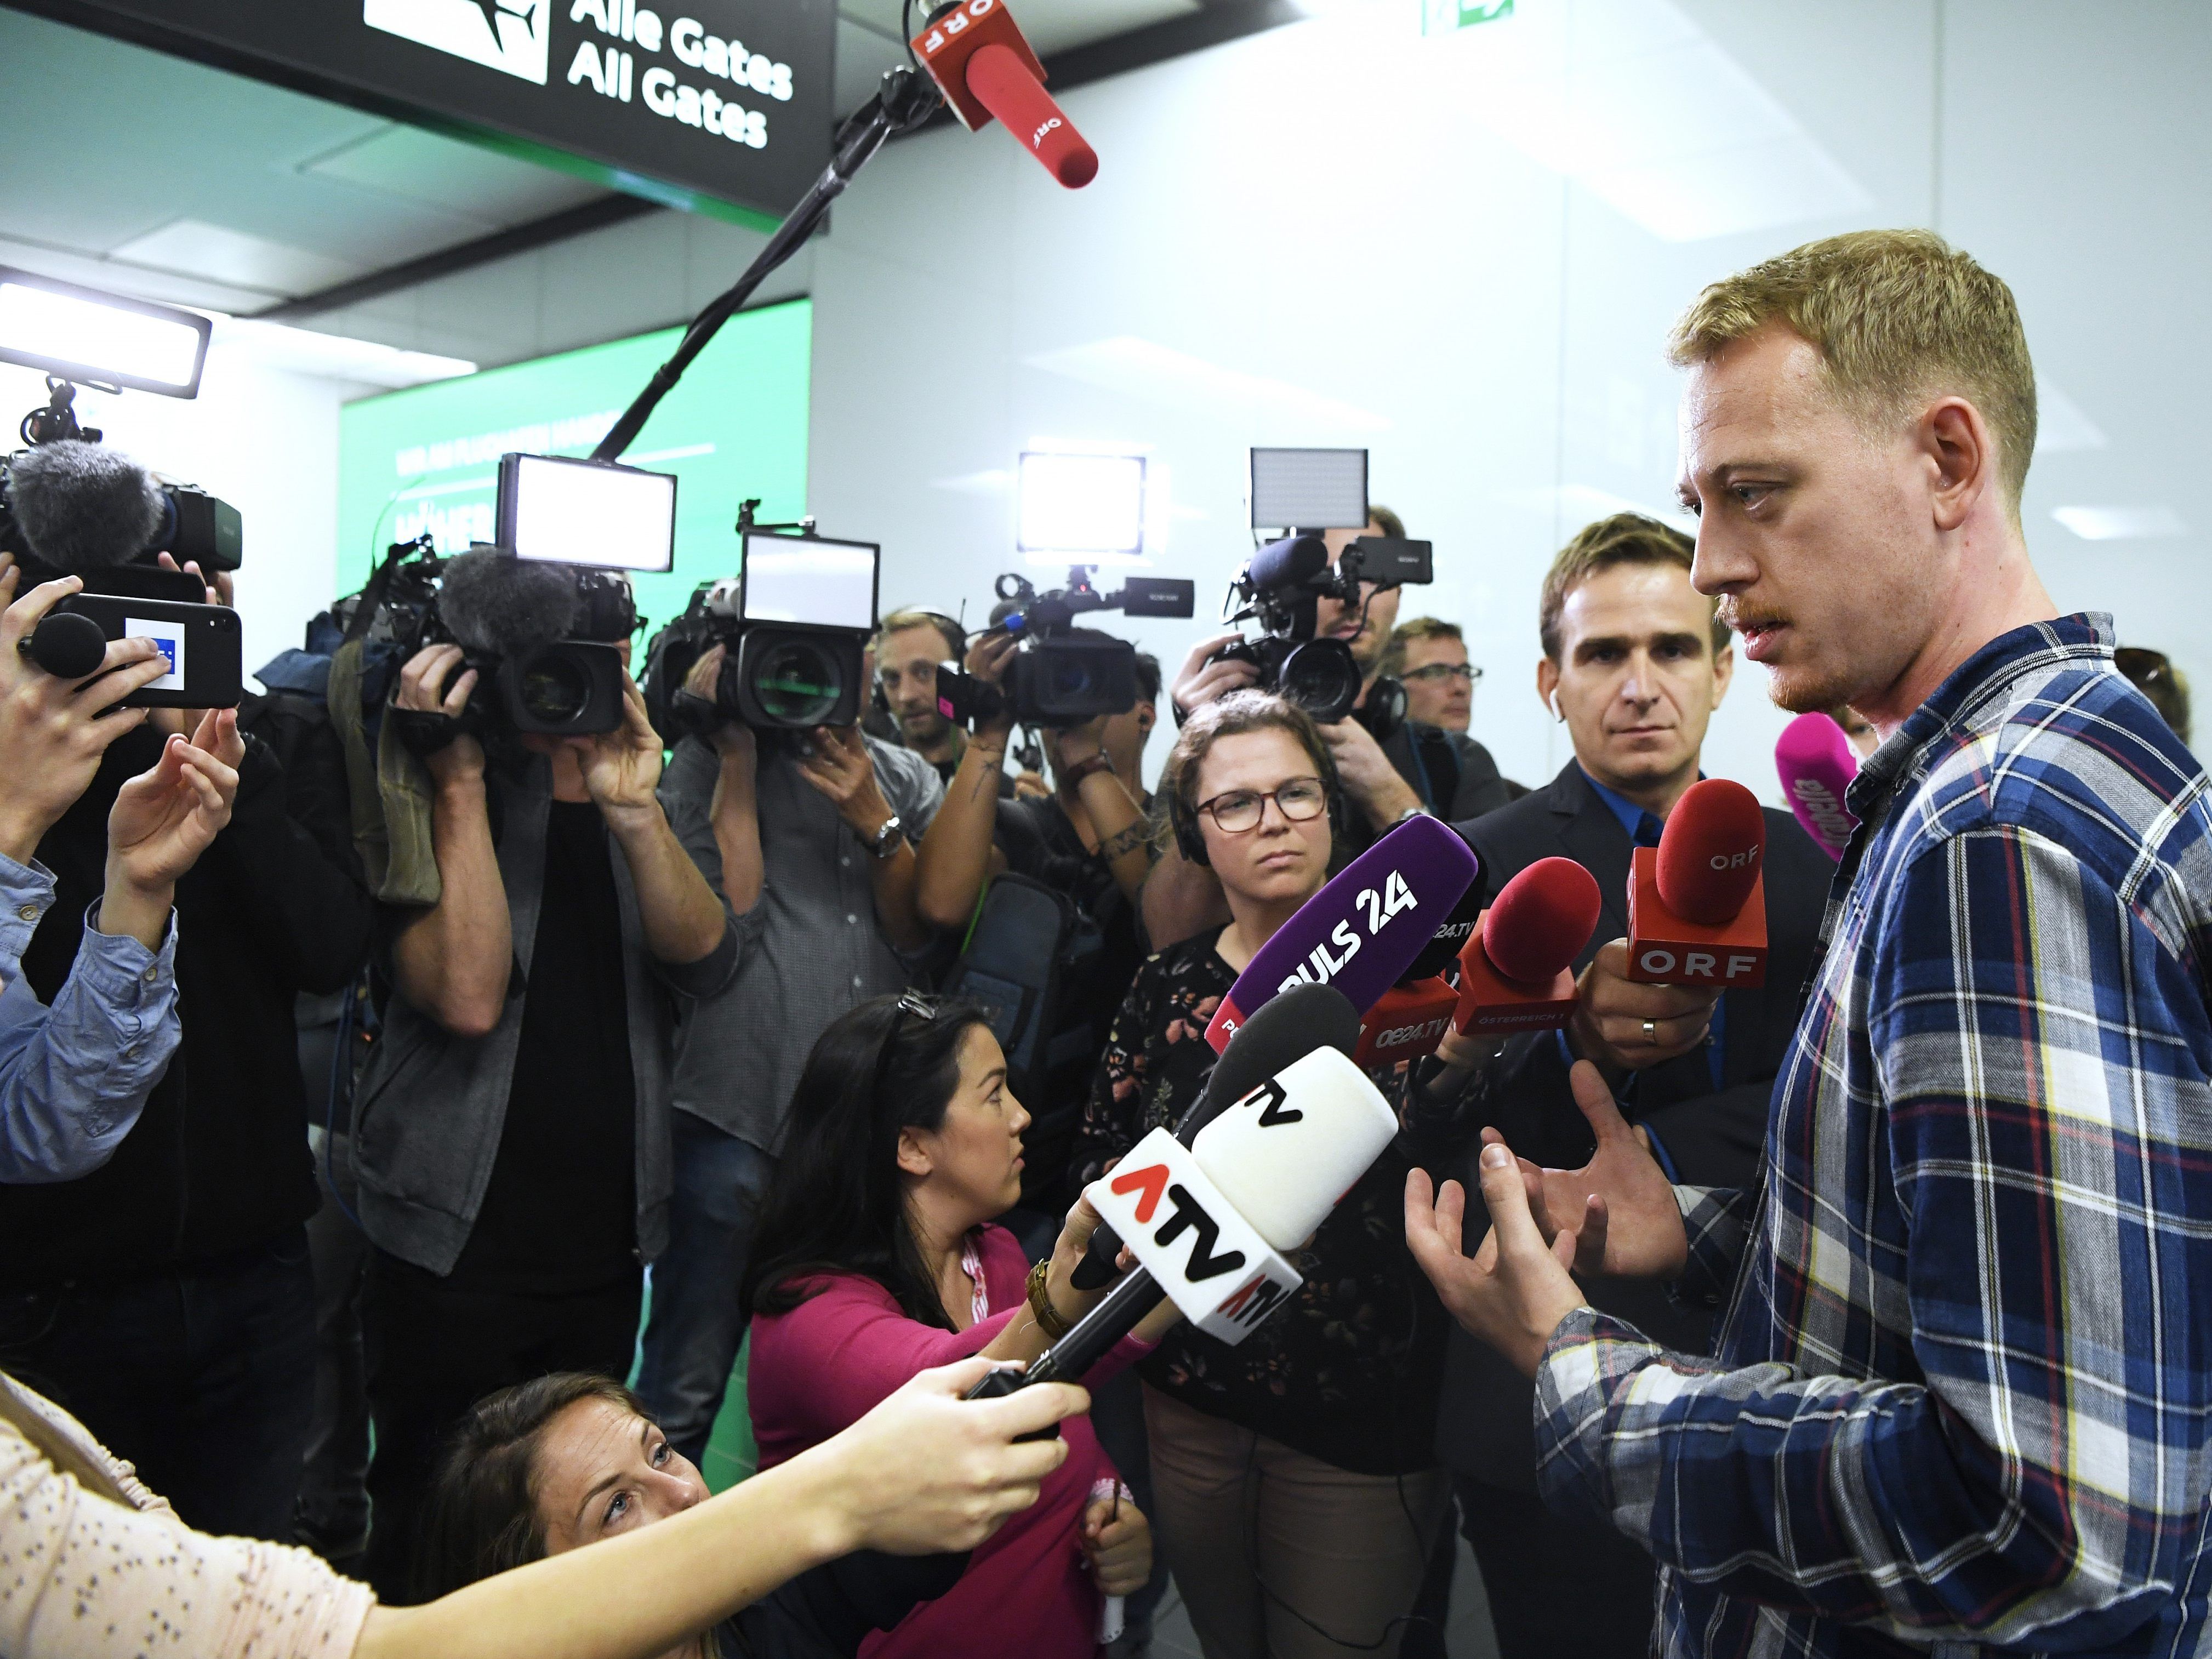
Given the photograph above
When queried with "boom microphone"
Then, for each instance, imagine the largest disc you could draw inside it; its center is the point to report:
(1288, 1028)
(1364, 930)
(1817, 763)
(1516, 973)
(82, 506)
(979, 60)
(1697, 903)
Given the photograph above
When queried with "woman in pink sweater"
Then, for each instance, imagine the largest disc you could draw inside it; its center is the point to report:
(875, 1259)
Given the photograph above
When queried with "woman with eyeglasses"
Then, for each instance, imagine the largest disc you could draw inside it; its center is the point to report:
(1295, 1483)
(875, 1258)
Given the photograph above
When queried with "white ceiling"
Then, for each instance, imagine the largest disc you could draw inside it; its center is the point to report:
(239, 195)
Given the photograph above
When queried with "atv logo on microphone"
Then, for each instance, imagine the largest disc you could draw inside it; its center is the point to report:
(512, 36)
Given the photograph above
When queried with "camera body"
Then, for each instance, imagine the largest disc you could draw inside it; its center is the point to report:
(794, 624)
(569, 686)
(1281, 588)
(195, 526)
(1061, 676)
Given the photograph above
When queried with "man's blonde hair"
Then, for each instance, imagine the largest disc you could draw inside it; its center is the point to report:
(1899, 317)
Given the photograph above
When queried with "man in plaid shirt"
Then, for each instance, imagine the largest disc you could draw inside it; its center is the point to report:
(1962, 1395)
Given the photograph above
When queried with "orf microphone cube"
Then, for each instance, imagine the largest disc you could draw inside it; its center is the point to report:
(1697, 903)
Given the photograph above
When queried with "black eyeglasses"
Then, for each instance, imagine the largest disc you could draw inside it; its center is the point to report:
(1237, 810)
(910, 1002)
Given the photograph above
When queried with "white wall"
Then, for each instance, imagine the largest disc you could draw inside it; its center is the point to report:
(1480, 242)
(264, 439)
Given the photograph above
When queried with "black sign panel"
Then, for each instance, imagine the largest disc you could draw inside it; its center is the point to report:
(714, 105)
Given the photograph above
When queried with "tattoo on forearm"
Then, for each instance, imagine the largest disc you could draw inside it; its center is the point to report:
(1123, 841)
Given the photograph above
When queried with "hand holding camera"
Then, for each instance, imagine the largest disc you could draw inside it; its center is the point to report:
(53, 731)
(839, 766)
(424, 688)
(622, 767)
(161, 822)
(1208, 674)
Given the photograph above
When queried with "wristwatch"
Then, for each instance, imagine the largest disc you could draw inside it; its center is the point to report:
(887, 839)
(1072, 775)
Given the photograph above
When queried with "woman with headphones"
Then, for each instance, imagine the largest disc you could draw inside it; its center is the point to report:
(1294, 1477)
(876, 1258)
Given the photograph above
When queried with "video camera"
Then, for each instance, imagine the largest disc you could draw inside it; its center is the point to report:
(794, 622)
(540, 635)
(1057, 677)
(540, 612)
(1282, 585)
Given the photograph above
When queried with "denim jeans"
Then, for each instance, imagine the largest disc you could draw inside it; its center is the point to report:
(203, 1377)
(697, 1324)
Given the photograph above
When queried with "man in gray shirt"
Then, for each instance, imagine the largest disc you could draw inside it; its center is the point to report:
(811, 837)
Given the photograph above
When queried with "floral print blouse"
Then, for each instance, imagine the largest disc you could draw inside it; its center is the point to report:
(1349, 1371)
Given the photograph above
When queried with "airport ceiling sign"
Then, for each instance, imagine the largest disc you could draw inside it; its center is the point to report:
(717, 106)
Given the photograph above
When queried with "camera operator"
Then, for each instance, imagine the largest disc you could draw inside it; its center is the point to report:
(511, 1134)
(811, 837)
(73, 1077)
(1419, 768)
(909, 647)
(1429, 657)
(166, 1298)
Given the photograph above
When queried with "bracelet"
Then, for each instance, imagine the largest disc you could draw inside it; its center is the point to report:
(1101, 762)
(1041, 1308)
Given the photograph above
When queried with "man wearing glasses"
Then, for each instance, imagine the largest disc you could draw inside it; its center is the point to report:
(1430, 656)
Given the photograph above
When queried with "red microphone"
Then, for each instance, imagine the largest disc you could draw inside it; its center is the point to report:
(1514, 972)
(978, 58)
(1406, 1022)
(1697, 903)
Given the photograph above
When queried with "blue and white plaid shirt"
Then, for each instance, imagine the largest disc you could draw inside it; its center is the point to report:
(1962, 1400)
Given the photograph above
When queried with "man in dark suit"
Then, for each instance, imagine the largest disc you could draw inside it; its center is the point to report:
(1635, 662)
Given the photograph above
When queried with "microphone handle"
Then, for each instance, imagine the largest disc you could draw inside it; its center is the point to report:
(1099, 1256)
(1117, 1314)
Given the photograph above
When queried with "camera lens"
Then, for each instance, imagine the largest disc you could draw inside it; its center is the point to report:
(553, 688)
(797, 682)
(1322, 677)
(1067, 677)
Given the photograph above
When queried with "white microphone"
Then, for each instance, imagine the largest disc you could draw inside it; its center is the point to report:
(1211, 1223)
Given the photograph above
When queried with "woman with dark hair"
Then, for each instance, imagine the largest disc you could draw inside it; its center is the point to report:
(875, 1258)
(567, 1460)
(95, 1567)
(1294, 1475)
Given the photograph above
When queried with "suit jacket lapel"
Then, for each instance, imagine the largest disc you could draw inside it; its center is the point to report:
(1593, 837)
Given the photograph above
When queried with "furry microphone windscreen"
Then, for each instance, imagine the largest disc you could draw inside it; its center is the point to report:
(505, 606)
(83, 507)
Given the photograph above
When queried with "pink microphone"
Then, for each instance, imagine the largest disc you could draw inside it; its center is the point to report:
(1817, 764)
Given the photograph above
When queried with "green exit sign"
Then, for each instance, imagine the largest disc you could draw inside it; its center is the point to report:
(1442, 16)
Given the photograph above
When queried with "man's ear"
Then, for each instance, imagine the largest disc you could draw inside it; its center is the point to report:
(1147, 717)
(1961, 458)
(1724, 673)
(1548, 686)
(914, 1157)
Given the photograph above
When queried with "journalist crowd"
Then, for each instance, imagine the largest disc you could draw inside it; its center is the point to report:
(412, 1118)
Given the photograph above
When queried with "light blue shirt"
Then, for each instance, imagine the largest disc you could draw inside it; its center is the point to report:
(74, 1076)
